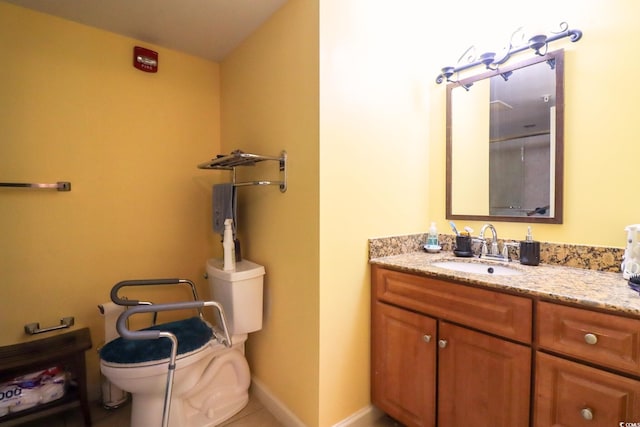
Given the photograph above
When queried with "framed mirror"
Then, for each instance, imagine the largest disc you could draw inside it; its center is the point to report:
(505, 143)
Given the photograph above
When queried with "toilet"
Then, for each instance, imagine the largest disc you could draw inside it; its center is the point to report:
(211, 381)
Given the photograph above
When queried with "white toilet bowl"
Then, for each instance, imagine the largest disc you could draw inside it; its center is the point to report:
(210, 385)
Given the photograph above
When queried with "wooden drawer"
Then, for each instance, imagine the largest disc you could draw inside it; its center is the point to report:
(493, 312)
(605, 339)
(568, 394)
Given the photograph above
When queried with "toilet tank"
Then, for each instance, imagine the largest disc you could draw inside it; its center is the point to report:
(240, 293)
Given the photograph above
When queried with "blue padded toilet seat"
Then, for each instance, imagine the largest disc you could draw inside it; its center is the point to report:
(192, 334)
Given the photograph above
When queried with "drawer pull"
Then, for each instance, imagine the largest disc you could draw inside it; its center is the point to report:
(590, 339)
(426, 338)
(586, 413)
(442, 343)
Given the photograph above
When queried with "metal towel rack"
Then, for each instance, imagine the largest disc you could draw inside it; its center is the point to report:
(239, 158)
(60, 186)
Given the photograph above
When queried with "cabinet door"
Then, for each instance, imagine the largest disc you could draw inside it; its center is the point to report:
(569, 394)
(404, 365)
(483, 381)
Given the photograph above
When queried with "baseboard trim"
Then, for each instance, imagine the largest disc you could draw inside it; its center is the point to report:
(365, 417)
(274, 405)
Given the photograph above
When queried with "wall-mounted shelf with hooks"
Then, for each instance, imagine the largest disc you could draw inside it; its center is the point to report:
(239, 158)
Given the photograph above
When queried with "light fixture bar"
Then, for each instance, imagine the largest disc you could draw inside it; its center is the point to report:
(536, 42)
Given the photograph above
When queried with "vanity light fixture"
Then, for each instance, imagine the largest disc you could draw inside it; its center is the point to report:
(539, 43)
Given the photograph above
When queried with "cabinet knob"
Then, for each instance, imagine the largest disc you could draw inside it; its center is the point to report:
(586, 413)
(426, 338)
(442, 343)
(590, 339)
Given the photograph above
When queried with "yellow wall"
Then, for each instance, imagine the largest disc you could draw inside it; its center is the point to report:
(74, 109)
(313, 351)
(270, 103)
(374, 119)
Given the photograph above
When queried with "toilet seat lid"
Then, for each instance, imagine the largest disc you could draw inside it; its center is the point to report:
(192, 334)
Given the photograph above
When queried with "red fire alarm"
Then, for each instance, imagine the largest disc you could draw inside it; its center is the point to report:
(145, 59)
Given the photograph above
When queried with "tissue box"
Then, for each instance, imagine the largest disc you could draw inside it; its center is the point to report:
(33, 389)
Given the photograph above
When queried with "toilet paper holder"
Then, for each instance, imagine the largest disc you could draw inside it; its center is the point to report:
(34, 328)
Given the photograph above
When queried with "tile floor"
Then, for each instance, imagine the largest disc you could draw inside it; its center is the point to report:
(253, 415)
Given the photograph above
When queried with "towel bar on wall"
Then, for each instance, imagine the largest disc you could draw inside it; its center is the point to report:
(239, 158)
(60, 186)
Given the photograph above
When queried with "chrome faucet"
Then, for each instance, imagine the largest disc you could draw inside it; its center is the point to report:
(494, 241)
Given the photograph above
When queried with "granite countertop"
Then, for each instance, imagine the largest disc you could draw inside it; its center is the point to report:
(593, 289)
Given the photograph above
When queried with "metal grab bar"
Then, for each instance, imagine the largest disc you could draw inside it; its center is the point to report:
(148, 307)
(146, 282)
(121, 324)
(34, 328)
(60, 186)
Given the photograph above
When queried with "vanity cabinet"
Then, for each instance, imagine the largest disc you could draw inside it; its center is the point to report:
(449, 353)
(568, 392)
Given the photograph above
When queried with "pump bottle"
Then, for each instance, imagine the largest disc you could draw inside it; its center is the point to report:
(432, 236)
(432, 245)
(228, 246)
(529, 250)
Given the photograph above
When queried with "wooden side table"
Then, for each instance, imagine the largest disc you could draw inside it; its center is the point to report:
(64, 349)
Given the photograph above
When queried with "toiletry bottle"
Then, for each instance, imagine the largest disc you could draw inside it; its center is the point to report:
(529, 250)
(432, 236)
(228, 246)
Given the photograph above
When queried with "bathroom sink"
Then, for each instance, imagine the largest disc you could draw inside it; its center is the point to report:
(478, 268)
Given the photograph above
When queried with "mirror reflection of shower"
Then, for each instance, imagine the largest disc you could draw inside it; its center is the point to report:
(521, 134)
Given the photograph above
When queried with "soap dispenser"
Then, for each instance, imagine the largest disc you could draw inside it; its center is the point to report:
(228, 246)
(529, 250)
(432, 246)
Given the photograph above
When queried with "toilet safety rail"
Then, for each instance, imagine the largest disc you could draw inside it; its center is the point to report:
(127, 302)
(125, 333)
(225, 339)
